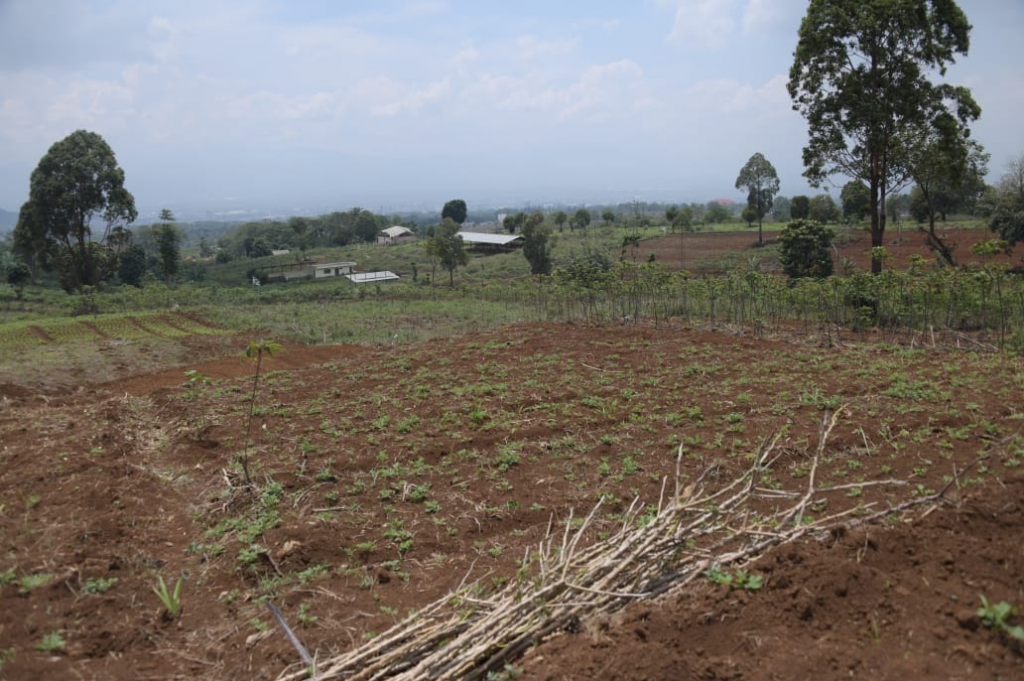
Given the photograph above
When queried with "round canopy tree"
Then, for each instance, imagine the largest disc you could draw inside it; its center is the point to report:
(456, 210)
(761, 181)
(78, 182)
(862, 77)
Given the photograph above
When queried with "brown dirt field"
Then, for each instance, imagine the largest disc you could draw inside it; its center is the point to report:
(389, 476)
(874, 603)
(705, 251)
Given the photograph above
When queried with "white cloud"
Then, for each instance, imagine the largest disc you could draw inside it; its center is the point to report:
(163, 34)
(86, 102)
(466, 55)
(729, 97)
(415, 100)
(762, 15)
(594, 92)
(331, 43)
(702, 23)
(532, 47)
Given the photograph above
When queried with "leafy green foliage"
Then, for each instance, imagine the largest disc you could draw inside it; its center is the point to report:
(580, 219)
(741, 579)
(588, 269)
(537, 243)
(560, 218)
(171, 600)
(77, 181)
(168, 239)
(17, 276)
(804, 249)
(823, 209)
(856, 201)
(28, 583)
(800, 207)
(716, 213)
(52, 643)
(995, 615)
(1005, 205)
(455, 210)
(860, 76)
(761, 181)
(446, 249)
(99, 586)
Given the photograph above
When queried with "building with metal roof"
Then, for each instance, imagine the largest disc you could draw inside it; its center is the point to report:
(368, 277)
(489, 241)
(332, 269)
(395, 235)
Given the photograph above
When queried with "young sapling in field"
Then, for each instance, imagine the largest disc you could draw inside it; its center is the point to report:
(257, 349)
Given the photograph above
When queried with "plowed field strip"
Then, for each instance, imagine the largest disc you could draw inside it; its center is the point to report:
(40, 334)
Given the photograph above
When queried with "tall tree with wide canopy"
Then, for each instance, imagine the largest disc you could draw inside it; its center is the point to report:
(456, 210)
(761, 181)
(861, 77)
(77, 181)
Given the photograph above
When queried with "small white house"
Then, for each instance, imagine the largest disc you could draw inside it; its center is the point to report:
(325, 270)
(395, 235)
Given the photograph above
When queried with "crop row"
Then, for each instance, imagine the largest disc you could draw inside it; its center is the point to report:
(22, 335)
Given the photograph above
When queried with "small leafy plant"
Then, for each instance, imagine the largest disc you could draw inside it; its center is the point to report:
(741, 579)
(99, 586)
(170, 600)
(995, 615)
(52, 642)
(28, 583)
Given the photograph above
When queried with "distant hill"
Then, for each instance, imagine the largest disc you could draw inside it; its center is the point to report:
(7, 220)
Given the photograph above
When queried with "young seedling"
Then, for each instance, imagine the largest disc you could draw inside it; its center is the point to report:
(52, 643)
(994, 616)
(740, 580)
(255, 349)
(171, 600)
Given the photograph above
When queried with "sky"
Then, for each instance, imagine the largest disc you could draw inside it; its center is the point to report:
(394, 103)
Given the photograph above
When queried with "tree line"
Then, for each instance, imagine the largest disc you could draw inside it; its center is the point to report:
(865, 76)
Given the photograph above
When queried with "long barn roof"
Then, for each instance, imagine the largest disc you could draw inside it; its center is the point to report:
(487, 238)
(366, 277)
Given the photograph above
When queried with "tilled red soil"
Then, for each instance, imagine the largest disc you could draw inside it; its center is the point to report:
(388, 476)
(873, 603)
(697, 251)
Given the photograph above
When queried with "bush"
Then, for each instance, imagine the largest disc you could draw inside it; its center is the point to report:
(804, 249)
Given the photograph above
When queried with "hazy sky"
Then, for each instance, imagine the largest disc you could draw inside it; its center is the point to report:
(391, 102)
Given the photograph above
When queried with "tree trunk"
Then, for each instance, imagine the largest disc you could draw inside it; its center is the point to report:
(876, 225)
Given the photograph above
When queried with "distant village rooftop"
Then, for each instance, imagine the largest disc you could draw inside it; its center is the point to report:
(487, 239)
(396, 231)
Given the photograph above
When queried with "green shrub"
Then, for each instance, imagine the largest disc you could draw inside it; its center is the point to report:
(804, 249)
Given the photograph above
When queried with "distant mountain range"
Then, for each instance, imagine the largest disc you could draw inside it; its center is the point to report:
(7, 220)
